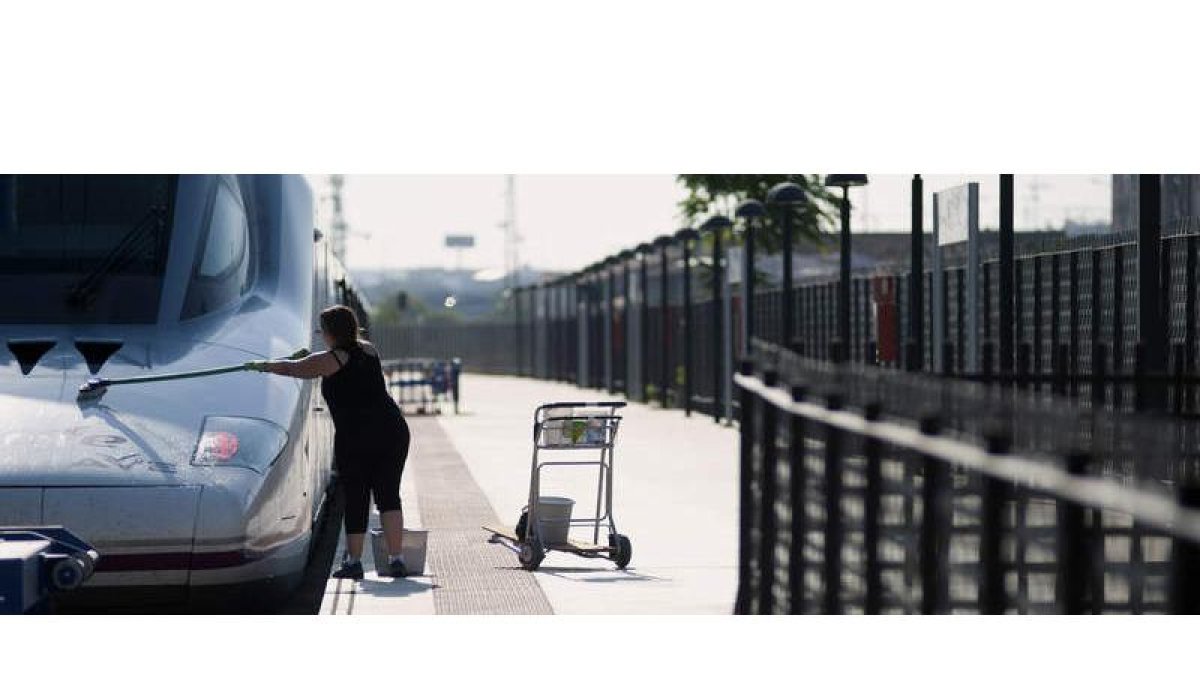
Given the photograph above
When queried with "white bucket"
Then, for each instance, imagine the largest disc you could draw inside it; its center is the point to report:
(413, 550)
(555, 509)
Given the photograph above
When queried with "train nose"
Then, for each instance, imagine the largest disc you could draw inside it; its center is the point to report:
(137, 530)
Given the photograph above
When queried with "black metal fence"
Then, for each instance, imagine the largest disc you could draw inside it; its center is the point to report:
(869, 491)
(662, 323)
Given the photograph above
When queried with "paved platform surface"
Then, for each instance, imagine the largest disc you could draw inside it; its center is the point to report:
(675, 497)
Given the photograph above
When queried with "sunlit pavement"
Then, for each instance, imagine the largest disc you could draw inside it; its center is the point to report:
(675, 497)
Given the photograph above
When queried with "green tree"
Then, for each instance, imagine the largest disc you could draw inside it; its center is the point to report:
(388, 313)
(721, 193)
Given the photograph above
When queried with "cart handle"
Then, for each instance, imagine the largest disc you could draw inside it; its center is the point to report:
(575, 404)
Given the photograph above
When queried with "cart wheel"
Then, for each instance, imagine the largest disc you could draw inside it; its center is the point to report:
(622, 550)
(522, 525)
(531, 555)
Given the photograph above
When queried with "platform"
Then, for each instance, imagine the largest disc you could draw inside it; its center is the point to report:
(675, 497)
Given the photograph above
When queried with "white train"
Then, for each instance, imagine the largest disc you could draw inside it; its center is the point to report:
(194, 490)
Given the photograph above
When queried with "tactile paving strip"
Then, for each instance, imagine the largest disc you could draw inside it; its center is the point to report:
(471, 576)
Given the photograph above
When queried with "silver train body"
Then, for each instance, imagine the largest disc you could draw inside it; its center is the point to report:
(187, 488)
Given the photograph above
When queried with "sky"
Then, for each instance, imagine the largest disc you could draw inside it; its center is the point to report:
(569, 221)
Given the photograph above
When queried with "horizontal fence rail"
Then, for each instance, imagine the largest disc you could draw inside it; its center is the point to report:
(856, 499)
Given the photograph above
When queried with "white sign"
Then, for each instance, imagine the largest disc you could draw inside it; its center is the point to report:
(956, 220)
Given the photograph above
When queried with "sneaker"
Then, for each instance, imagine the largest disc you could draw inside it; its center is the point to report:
(395, 568)
(349, 570)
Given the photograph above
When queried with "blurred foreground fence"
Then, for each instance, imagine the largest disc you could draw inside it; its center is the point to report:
(869, 491)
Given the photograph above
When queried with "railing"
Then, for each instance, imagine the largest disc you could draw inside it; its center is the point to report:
(864, 490)
(662, 323)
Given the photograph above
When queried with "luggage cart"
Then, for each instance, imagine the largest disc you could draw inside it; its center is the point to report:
(589, 429)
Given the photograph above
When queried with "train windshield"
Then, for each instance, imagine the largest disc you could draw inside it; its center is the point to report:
(83, 249)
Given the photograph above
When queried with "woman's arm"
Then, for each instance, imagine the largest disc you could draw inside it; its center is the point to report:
(321, 364)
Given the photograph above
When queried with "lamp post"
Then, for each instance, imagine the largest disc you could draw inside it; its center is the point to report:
(716, 226)
(644, 251)
(685, 237)
(664, 376)
(610, 314)
(626, 257)
(784, 198)
(751, 212)
(584, 309)
(844, 181)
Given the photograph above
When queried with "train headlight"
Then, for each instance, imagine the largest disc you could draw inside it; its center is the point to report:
(239, 441)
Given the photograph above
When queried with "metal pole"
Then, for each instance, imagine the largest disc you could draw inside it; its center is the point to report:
(644, 337)
(626, 308)
(610, 315)
(916, 290)
(1007, 325)
(517, 319)
(750, 211)
(788, 290)
(843, 351)
(685, 238)
(665, 339)
(718, 328)
(1151, 331)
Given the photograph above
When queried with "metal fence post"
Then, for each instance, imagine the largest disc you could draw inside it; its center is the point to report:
(608, 276)
(626, 256)
(831, 570)
(934, 529)
(768, 480)
(1151, 329)
(1007, 324)
(991, 557)
(664, 375)
(1073, 567)
(716, 226)
(686, 237)
(745, 491)
(750, 212)
(644, 251)
(872, 498)
(518, 324)
(915, 358)
(798, 480)
(1185, 559)
(785, 198)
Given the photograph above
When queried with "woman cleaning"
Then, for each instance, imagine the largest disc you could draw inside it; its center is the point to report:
(370, 439)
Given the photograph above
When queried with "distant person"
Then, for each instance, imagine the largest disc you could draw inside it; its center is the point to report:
(371, 437)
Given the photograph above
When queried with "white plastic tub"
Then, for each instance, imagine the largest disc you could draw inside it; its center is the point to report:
(557, 509)
(415, 542)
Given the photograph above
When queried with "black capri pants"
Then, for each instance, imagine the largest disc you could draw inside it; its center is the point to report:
(370, 465)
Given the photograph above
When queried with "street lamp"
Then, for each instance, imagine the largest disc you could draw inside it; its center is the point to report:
(752, 212)
(663, 244)
(609, 266)
(685, 237)
(785, 197)
(644, 252)
(844, 181)
(625, 256)
(716, 226)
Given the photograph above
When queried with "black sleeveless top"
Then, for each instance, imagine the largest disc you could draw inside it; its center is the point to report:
(358, 397)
